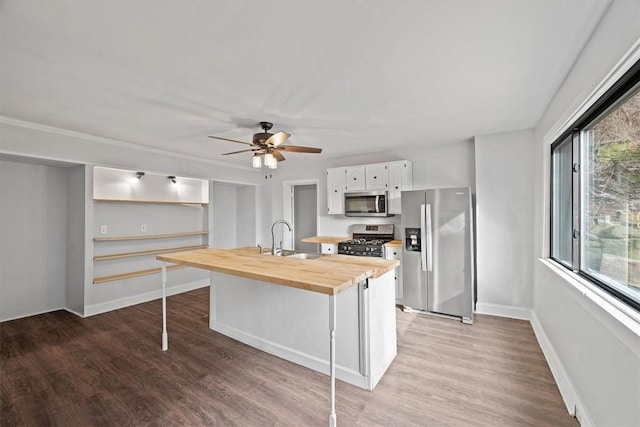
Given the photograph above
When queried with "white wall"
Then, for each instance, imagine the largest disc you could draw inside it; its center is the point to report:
(245, 215)
(234, 215)
(594, 356)
(110, 183)
(33, 232)
(76, 239)
(223, 205)
(504, 205)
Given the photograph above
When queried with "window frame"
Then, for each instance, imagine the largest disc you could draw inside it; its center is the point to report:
(613, 95)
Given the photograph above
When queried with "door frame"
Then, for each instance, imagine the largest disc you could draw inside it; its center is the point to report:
(288, 205)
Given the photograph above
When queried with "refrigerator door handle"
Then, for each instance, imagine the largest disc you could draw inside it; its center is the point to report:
(423, 240)
(429, 234)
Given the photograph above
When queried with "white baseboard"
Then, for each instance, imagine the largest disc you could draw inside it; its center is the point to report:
(36, 313)
(104, 307)
(77, 313)
(568, 392)
(513, 312)
(344, 374)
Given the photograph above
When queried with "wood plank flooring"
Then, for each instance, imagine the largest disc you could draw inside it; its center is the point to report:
(58, 369)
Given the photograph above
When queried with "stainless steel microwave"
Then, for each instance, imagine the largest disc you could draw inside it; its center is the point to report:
(367, 203)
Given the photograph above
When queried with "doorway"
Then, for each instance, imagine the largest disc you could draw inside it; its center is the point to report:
(300, 208)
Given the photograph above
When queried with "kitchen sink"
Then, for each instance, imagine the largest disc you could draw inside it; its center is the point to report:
(299, 255)
(305, 255)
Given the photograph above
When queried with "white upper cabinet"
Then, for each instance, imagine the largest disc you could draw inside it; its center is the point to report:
(393, 177)
(375, 176)
(336, 186)
(393, 252)
(400, 179)
(355, 178)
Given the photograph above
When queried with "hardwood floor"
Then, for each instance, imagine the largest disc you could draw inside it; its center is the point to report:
(58, 369)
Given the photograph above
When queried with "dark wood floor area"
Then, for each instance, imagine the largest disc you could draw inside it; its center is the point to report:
(58, 369)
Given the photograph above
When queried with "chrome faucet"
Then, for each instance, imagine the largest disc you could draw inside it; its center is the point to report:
(273, 238)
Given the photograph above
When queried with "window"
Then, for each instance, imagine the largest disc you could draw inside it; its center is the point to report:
(595, 187)
(562, 207)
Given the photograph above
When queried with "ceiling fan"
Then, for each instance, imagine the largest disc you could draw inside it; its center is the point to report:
(269, 145)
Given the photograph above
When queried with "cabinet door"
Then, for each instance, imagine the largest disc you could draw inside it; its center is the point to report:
(400, 179)
(376, 176)
(335, 190)
(328, 248)
(392, 252)
(355, 178)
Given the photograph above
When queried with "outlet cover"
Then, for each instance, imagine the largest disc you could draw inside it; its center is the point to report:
(143, 228)
(104, 229)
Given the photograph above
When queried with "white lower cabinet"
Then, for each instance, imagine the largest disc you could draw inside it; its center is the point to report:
(394, 252)
(328, 248)
(293, 324)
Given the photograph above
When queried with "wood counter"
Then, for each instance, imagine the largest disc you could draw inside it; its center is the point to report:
(328, 275)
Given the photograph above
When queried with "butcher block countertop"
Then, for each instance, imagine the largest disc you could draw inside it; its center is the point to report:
(332, 240)
(394, 244)
(329, 275)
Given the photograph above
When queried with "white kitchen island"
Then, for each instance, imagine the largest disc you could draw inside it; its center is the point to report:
(334, 314)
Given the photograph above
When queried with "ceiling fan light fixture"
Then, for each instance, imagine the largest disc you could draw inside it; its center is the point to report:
(270, 161)
(257, 161)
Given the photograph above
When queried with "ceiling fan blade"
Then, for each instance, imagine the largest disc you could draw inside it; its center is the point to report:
(277, 138)
(230, 140)
(278, 155)
(298, 149)
(241, 151)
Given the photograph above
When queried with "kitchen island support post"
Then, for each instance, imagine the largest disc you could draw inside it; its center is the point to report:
(165, 336)
(332, 358)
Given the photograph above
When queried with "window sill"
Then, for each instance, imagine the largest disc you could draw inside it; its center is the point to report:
(622, 313)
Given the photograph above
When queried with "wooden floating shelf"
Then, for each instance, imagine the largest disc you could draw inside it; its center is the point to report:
(151, 252)
(150, 236)
(167, 202)
(138, 273)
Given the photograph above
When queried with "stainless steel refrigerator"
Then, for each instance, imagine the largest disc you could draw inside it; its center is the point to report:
(438, 252)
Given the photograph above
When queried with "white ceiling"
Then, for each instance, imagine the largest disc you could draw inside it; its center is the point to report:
(348, 77)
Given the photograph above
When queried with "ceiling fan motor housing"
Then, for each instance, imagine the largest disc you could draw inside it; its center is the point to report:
(261, 137)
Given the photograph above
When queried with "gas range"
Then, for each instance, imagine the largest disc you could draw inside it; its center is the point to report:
(368, 240)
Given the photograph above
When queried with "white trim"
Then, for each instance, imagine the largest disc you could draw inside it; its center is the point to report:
(627, 61)
(512, 312)
(568, 392)
(116, 304)
(287, 205)
(114, 142)
(77, 313)
(618, 310)
(20, 316)
(320, 365)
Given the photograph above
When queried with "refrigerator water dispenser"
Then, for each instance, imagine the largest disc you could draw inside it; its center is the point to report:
(412, 240)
